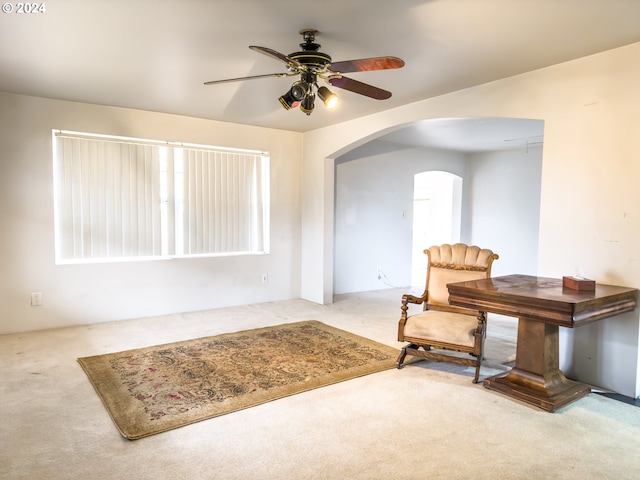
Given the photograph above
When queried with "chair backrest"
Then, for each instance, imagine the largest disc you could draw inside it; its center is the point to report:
(454, 263)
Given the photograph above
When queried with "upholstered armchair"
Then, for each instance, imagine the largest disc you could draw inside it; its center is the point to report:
(442, 331)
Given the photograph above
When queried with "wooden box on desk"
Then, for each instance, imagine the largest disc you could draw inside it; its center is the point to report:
(579, 284)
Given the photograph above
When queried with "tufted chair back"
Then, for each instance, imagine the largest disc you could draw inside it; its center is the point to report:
(454, 263)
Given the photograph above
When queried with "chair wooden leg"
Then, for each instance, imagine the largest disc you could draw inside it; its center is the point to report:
(479, 362)
(410, 349)
(403, 355)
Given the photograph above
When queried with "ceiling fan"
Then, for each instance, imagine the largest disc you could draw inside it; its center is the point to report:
(311, 64)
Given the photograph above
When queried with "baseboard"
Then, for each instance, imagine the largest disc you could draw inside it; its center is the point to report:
(620, 398)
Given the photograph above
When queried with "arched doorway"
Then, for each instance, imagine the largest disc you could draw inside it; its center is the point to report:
(437, 212)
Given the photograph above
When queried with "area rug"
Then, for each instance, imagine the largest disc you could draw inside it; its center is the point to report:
(155, 389)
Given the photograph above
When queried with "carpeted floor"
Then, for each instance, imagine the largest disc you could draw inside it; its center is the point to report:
(427, 420)
(155, 389)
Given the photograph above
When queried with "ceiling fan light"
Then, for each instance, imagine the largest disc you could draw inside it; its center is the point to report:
(329, 98)
(288, 102)
(294, 95)
(307, 104)
(299, 90)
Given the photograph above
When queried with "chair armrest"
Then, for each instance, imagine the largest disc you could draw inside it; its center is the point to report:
(406, 300)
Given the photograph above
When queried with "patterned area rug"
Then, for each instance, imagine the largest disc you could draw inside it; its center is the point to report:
(155, 389)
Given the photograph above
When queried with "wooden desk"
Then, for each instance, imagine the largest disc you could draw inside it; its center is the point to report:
(541, 305)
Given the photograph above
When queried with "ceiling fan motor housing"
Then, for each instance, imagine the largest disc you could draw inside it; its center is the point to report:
(319, 61)
(310, 56)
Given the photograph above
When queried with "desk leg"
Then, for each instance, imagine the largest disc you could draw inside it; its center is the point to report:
(536, 378)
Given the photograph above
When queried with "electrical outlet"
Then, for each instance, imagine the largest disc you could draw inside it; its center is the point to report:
(265, 278)
(36, 299)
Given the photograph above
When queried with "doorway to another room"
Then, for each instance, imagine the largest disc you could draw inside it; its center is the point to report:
(437, 211)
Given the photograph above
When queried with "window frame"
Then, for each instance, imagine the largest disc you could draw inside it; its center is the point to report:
(168, 202)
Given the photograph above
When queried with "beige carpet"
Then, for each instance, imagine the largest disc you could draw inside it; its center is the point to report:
(426, 421)
(155, 389)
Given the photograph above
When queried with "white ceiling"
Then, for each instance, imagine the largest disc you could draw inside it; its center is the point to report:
(470, 134)
(156, 54)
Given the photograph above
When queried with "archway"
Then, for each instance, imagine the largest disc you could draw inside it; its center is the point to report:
(373, 197)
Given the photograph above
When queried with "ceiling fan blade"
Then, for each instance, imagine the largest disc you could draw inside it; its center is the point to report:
(367, 64)
(278, 56)
(359, 87)
(214, 82)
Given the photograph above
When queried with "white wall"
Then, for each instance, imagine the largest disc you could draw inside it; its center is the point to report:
(374, 210)
(589, 205)
(80, 294)
(504, 207)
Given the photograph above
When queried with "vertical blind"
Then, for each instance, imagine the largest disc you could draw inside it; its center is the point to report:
(222, 210)
(121, 198)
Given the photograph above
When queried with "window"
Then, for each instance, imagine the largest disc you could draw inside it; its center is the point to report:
(129, 199)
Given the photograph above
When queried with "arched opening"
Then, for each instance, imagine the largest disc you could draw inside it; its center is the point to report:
(500, 161)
